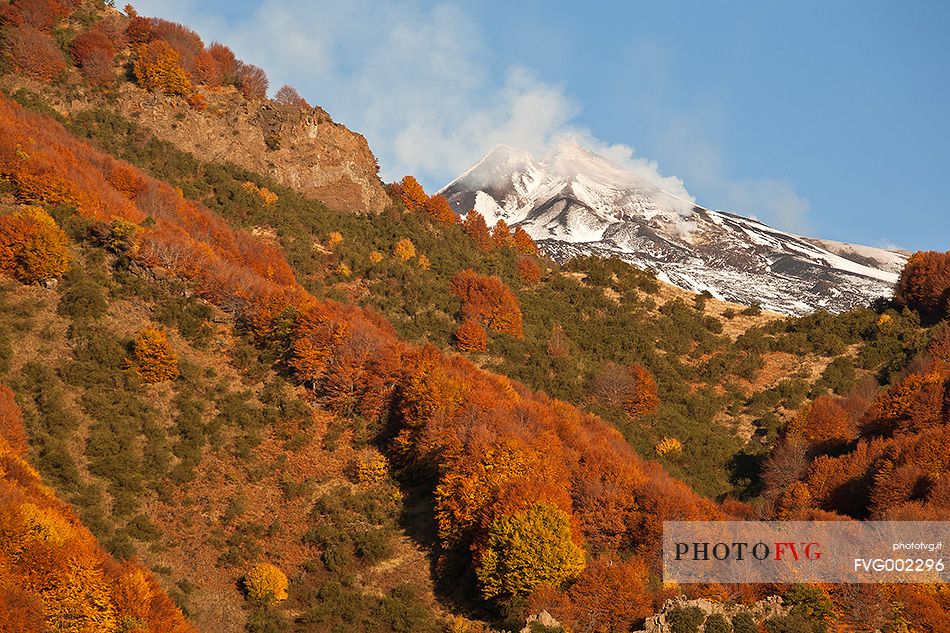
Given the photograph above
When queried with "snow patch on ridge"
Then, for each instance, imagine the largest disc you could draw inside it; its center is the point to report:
(574, 202)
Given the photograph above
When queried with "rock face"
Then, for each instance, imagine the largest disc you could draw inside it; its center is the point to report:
(543, 619)
(573, 202)
(299, 148)
(760, 611)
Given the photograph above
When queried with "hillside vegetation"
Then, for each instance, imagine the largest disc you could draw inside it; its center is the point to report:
(307, 419)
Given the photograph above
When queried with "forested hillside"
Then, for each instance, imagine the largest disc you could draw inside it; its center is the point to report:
(319, 420)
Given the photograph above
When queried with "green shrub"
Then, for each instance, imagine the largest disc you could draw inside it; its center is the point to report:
(83, 298)
(236, 506)
(338, 556)
(6, 351)
(685, 619)
(190, 317)
(789, 624)
(243, 545)
(33, 101)
(374, 545)
(266, 619)
(403, 611)
(142, 528)
(120, 545)
(743, 623)
(348, 526)
(191, 433)
(717, 623)
(810, 603)
(839, 376)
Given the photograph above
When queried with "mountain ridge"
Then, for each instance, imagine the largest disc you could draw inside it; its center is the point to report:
(574, 202)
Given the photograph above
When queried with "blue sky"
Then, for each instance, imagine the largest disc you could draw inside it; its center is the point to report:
(828, 118)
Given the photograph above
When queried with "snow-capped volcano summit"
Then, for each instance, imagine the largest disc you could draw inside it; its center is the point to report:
(575, 202)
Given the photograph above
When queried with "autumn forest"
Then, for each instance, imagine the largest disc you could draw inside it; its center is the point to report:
(227, 405)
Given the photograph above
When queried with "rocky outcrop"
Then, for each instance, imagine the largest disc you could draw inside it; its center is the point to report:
(300, 148)
(544, 620)
(760, 611)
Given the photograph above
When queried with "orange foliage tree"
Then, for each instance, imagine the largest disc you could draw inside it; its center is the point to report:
(206, 69)
(488, 301)
(287, 95)
(913, 403)
(528, 270)
(440, 210)
(795, 499)
(93, 51)
(611, 594)
(939, 346)
(501, 235)
(524, 243)
(98, 67)
(138, 29)
(476, 228)
(32, 246)
(316, 336)
(158, 66)
(185, 41)
(411, 193)
(225, 61)
(824, 424)
(924, 285)
(471, 337)
(152, 356)
(11, 422)
(488, 480)
(643, 400)
(36, 14)
(891, 472)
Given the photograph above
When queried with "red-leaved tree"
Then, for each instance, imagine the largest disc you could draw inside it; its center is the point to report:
(488, 301)
(251, 81)
(924, 285)
(34, 53)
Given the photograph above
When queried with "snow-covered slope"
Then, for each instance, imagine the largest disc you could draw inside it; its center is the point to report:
(574, 202)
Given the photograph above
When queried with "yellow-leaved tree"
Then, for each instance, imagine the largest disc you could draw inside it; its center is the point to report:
(265, 583)
(528, 549)
(158, 66)
(152, 356)
(404, 249)
(32, 246)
